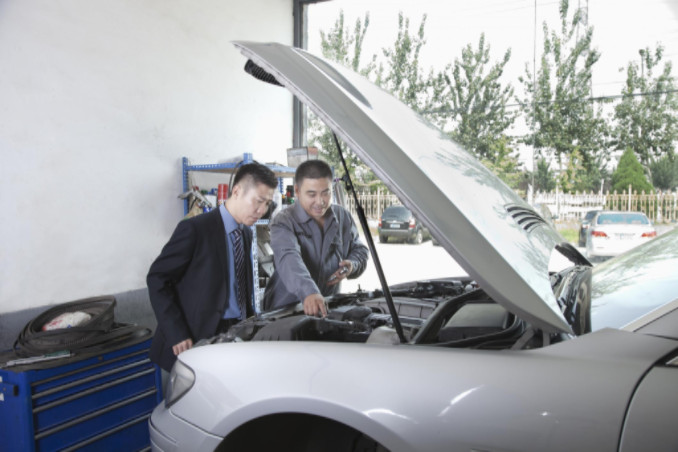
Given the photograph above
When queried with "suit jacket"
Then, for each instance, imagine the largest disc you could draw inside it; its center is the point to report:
(188, 284)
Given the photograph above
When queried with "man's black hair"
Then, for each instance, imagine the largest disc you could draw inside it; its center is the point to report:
(312, 169)
(257, 173)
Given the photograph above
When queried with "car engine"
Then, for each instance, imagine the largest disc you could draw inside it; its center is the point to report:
(444, 312)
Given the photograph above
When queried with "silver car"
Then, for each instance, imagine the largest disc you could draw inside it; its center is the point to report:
(508, 357)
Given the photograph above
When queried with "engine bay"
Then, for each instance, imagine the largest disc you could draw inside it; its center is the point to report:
(444, 312)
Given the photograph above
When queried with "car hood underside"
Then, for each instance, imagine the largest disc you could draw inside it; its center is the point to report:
(487, 228)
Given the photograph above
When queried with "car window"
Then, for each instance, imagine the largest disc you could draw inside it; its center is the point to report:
(399, 211)
(622, 218)
(590, 214)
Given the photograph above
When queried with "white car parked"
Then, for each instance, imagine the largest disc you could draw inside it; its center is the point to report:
(612, 233)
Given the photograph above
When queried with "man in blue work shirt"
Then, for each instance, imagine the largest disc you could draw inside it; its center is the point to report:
(315, 244)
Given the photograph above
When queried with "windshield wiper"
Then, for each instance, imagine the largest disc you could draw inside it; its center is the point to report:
(370, 243)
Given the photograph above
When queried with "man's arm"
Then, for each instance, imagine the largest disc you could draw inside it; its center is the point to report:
(291, 268)
(168, 268)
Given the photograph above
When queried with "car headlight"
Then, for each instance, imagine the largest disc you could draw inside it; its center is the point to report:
(180, 381)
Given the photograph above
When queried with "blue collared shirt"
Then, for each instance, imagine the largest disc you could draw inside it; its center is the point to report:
(232, 310)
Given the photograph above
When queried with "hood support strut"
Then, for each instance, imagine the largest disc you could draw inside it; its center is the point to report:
(370, 243)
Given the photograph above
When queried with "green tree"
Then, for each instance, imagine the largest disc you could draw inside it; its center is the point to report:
(563, 123)
(504, 163)
(570, 178)
(647, 116)
(472, 98)
(544, 179)
(665, 173)
(401, 75)
(630, 172)
(344, 46)
(476, 99)
(598, 177)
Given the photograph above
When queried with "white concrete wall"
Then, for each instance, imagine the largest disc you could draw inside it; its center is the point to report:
(99, 100)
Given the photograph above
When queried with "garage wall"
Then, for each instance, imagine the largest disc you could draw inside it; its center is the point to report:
(99, 100)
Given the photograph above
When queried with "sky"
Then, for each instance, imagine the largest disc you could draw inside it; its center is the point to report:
(620, 29)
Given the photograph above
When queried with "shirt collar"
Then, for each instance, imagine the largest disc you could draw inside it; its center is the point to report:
(304, 217)
(229, 222)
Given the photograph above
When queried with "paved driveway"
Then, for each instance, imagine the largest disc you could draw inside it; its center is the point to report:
(403, 262)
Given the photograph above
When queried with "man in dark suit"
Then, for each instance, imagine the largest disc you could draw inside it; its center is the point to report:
(195, 288)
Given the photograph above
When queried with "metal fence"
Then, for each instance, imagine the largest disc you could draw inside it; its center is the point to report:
(660, 207)
(373, 203)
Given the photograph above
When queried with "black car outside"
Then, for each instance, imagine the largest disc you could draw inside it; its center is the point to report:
(399, 223)
(585, 223)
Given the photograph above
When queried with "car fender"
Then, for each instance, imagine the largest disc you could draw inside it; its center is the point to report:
(576, 392)
(294, 379)
(363, 422)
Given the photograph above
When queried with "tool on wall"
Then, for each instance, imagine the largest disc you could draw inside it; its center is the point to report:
(197, 198)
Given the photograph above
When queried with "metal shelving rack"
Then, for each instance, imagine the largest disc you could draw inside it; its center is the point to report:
(281, 172)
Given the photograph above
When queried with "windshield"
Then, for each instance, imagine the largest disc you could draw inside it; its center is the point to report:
(635, 283)
(397, 211)
(622, 218)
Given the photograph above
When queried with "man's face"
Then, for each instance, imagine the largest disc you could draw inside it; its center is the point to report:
(251, 202)
(314, 195)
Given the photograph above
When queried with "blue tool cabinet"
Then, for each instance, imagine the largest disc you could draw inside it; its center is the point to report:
(96, 402)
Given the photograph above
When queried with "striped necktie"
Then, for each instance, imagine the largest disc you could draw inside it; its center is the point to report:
(240, 273)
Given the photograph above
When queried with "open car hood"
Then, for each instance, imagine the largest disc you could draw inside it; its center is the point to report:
(487, 228)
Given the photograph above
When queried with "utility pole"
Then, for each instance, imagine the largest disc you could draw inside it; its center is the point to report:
(534, 94)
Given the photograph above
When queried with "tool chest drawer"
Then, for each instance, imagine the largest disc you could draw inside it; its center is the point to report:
(96, 403)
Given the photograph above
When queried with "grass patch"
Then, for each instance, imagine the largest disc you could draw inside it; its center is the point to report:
(571, 235)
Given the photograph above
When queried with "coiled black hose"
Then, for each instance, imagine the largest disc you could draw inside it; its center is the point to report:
(97, 333)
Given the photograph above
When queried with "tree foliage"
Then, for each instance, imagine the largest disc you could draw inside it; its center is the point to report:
(472, 98)
(544, 178)
(563, 124)
(665, 173)
(401, 74)
(469, 101)
(504, 163)
(630, 172)
(345, 47)
(467, 96)
(647, 116)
